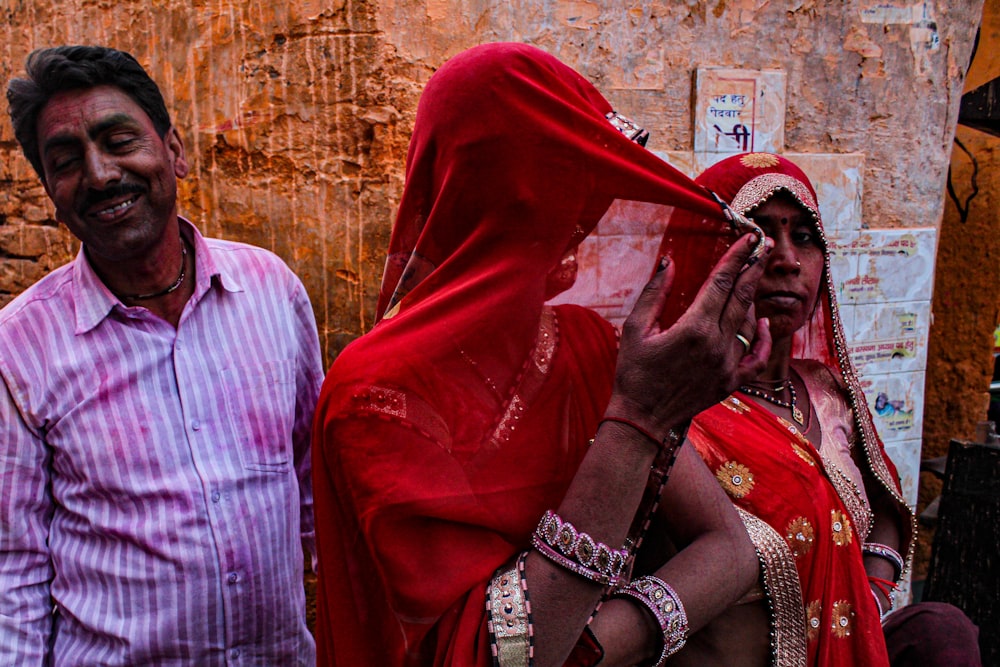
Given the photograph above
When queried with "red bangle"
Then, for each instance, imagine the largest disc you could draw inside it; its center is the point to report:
(884, 585)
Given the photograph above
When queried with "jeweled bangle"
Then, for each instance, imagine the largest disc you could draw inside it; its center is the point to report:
(578, 552)
(661, 600)
(508, 611)
(886, 553)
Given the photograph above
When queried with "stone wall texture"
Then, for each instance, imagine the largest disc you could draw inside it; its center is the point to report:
(296, 115)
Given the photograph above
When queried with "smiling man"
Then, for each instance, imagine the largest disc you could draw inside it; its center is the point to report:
(156, 398)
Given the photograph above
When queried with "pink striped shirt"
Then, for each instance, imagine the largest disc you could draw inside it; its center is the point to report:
(154, 483)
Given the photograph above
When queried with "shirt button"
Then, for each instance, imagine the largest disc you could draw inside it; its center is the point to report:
(195, 425)
(235, 653)
(233, 577)
(215, 496)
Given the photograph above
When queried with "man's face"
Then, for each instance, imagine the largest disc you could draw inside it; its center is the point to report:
(112, 179)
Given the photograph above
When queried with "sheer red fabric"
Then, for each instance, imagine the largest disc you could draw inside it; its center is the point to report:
(444, 434)
(792, 484)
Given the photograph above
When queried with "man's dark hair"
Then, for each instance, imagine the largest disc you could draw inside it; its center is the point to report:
(62, 68)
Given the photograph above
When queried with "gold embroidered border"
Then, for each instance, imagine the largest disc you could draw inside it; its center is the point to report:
(759, 189)
(533, 378)
(852, 497)
(784, 593)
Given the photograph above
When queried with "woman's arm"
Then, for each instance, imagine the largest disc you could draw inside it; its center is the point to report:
(885, 531)
(663, 379)
(716, 563)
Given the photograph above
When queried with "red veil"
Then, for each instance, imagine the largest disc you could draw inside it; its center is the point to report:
(444, 433)
(780, 478)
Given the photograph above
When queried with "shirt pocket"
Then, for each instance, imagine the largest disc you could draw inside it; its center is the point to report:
(260, 401)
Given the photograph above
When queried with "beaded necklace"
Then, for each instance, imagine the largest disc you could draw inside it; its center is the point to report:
(771, 398)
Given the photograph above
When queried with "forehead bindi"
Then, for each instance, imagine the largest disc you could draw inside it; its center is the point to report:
(781, 211)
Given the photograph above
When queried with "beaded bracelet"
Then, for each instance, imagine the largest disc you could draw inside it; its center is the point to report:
(661, 600)
(888, 553)
(578, 552)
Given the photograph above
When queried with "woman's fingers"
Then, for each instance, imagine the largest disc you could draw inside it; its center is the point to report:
(754, 361)
(645, 315)
(729, 278)
(670, 375)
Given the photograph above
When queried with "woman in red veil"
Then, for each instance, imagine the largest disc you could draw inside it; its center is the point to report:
(796, 451)
(484, 464)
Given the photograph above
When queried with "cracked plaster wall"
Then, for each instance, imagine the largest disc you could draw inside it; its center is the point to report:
(296, 117)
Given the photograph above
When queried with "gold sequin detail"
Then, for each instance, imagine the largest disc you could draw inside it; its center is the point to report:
(387, 401)
(545, 347)
(843, 619)
(841, 527)
(736, 405)
(735, 478)
(759, 160)
(530, 384)
(800, 536)
(813, 622)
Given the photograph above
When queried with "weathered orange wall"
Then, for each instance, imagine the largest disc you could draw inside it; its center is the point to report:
(967, 283)
(296, 118)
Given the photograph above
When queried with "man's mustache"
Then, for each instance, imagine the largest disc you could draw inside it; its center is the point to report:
(95, 197)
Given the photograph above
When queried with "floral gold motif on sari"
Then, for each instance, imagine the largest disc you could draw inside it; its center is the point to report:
(843, 619)
(797, 435)
(735, 478)
(736, 405)
(759, 160)
(803, 454)
(800, 536)
(841, 527)
(813, 622)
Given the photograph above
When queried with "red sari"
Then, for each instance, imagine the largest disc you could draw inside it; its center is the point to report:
(444, 434)
(805, 508)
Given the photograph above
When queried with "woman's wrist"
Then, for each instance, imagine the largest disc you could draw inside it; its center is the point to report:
(627, 632)
(656, 428)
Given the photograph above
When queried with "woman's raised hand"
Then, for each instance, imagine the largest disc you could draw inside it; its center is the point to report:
(666, 376)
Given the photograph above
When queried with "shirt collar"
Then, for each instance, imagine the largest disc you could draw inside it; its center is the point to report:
(94, 301)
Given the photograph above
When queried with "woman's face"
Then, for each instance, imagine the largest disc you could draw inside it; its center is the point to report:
(788, 291)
